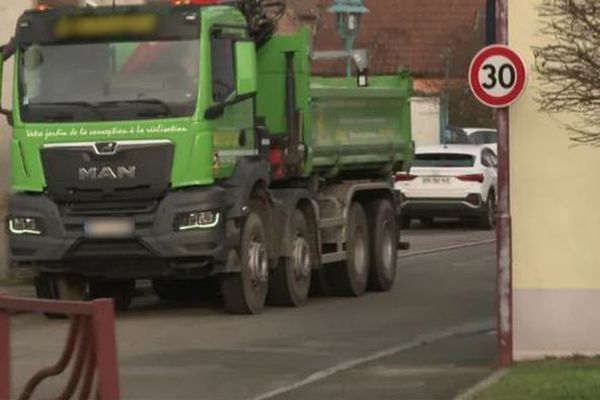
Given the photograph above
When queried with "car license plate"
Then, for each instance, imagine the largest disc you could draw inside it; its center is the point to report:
(436, 180)
(109, 228)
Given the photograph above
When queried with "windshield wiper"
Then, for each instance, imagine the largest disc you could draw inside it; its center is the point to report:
(166, 108)
(82, 104)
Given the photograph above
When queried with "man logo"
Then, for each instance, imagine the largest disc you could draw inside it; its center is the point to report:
(106, 147)
(106, 173)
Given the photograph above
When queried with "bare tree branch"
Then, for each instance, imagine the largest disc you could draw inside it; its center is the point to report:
(570, 65)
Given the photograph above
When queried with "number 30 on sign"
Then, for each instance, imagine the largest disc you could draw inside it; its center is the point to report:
(497, 76)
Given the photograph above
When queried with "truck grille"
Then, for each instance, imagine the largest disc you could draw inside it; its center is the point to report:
(109, 249)
(107, 171)
(110, 208)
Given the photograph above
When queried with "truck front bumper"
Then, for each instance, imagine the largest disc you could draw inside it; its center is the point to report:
(155, 249)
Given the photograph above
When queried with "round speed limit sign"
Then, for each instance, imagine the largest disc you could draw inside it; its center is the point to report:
(497, 76)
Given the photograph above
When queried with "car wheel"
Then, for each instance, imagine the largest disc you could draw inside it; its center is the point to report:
(487, 219)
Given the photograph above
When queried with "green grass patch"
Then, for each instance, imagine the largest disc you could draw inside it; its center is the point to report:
(574, 379)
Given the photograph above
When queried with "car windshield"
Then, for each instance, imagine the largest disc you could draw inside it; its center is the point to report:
(483, 137)
(444, 160)
(121, 80)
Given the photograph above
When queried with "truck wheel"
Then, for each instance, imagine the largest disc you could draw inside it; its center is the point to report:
(170, 290)
(350, 278)
(245, 292)
(120, 291)
(487, 220)
(290, 282)
(184, 291)
(384, 244)
(60, 287)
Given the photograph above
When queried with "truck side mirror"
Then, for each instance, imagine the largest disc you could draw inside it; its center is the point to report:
(245, 68)
(6, 52)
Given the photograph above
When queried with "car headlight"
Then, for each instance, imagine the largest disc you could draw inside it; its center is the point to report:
(24, 226)
(197, 220)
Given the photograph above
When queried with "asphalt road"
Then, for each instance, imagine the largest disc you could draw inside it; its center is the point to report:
(430, 338)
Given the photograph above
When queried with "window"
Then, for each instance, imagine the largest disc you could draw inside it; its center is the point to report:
(223, 67)
(113, 80)
(483, 137)
(488, 158)
(444, 160)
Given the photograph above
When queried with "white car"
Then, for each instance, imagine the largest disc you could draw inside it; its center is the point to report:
(482, 136)
(450, 181)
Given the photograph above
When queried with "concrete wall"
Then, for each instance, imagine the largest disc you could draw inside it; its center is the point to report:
(555, 195)
(9, 12)
(425, 115)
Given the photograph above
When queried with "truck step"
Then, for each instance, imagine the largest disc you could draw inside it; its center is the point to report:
(332, 223)
(333, 257)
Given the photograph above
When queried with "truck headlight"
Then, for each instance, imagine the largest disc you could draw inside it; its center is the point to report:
(24, 226)
(197, 220)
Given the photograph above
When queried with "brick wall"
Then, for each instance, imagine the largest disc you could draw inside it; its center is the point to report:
(413, 33)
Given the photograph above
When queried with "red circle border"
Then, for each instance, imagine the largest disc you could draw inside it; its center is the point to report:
(477, 89)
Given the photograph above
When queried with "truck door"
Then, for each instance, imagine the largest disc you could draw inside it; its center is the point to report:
(234, 134)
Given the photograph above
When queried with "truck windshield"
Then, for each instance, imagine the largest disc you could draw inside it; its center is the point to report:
(109, 81)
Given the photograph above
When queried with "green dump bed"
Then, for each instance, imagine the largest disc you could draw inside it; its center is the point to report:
(346, 128)
(360, 128)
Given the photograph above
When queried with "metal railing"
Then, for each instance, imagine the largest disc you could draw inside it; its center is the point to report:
(90, 349)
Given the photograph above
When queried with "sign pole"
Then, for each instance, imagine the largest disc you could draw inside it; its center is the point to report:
(504, 227)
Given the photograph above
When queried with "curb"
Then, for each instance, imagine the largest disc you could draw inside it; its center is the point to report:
(473, 391)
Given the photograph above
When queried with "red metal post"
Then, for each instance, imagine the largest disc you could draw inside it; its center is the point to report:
(4, 354)
(504, 229)
(106, 350)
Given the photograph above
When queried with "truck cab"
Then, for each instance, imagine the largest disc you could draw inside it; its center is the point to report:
(180, 142)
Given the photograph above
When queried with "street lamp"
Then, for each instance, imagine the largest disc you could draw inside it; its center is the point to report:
(349, 14)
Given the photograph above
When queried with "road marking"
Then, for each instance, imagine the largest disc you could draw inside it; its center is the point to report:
(447, 248)
(481, 386)
(465, 329)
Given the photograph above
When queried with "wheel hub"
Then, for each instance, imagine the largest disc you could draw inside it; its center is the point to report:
(301, 258)
(360, 253)
(387, 248)
(258, 262)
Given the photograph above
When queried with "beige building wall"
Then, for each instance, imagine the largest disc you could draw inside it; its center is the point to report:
(9, 12)
(556, 220)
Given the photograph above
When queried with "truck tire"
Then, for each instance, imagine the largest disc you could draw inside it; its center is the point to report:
(384, 243)
(185, 291)
(60, 287)
(121, 291)
(50, 286)
(245, 292)
(289, 284)
(350, 278)
(171, 291)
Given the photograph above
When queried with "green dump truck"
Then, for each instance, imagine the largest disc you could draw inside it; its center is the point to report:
(189, 143)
